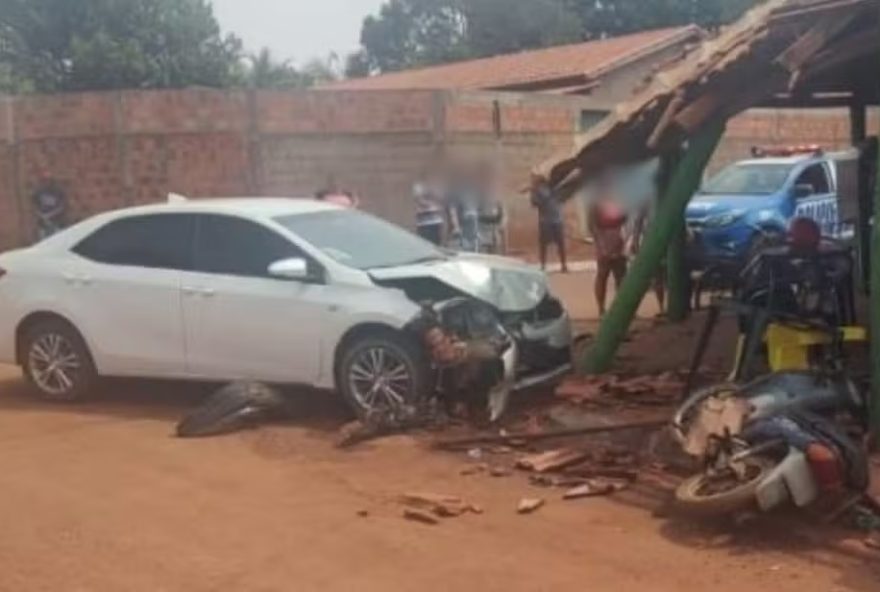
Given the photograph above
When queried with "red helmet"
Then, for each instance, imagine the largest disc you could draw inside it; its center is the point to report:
(804, 234)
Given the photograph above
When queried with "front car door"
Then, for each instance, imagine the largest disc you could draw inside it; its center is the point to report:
(820, 204)
(124, 290)
(241, 323)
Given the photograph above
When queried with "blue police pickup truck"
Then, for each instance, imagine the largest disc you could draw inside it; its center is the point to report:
(754, 199)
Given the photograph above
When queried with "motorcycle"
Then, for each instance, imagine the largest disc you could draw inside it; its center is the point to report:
(777, 439)
(770, 442)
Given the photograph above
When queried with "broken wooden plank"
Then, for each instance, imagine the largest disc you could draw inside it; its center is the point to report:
(553, 460)
(529, 505)
(813, 41)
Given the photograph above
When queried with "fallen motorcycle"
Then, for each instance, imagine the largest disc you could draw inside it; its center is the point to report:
(770, 442)
(778, 439)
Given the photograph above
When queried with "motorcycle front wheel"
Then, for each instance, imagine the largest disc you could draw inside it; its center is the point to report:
(723, 492)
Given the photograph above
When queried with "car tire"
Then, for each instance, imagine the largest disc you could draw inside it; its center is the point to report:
(56, 362)
(385, 378)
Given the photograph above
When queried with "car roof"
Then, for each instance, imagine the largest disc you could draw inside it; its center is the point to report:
(782, 160)
(254, 207)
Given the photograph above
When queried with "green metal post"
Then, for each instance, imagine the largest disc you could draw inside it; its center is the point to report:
(874, 299)
(677, 280)
(668, 220)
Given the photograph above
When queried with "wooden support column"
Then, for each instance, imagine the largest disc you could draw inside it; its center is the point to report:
(858, 122)
(668, 220)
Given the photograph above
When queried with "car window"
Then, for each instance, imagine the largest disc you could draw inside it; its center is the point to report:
(360, 240)
(234, 246)
(749, 179)
(816, 177)
(158, 241)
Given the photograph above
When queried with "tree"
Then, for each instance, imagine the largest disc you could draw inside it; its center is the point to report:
(616, 17)
(61, 45)
(409, 33)
(497, 26)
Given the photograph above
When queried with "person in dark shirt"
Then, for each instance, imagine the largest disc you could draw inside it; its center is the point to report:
(550, 222)
(50, 207)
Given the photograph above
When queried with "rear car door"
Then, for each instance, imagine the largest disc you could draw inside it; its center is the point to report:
(821, 204)
(125, 291)
(241, 323)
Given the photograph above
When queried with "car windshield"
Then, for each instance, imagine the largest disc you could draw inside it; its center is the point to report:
(749, 179)
(360, 240)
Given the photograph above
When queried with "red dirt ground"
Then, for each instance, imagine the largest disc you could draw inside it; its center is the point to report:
(100, 497)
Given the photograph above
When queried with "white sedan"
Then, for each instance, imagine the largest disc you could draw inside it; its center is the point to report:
(274, 290)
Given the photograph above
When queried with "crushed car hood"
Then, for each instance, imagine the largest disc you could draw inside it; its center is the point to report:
(507, 284)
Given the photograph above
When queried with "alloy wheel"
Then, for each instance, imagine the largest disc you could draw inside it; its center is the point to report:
(54, 364)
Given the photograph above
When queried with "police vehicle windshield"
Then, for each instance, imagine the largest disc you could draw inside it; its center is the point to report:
(749, 179)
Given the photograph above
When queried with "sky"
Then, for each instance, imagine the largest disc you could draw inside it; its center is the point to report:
(296, 29)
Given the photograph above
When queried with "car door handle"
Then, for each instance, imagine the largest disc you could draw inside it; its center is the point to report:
(189, 291)
(208, 292)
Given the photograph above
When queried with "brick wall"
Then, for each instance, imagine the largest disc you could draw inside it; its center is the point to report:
(109, 150)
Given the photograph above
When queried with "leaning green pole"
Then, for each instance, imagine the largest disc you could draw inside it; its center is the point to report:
(874, 299)
(668, 220)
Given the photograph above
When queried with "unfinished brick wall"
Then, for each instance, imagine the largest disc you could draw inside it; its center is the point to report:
(109, 150)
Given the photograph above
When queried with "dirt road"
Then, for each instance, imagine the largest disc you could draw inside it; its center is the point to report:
(100, 497)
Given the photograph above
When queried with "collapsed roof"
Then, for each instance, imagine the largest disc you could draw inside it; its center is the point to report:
(785, 53)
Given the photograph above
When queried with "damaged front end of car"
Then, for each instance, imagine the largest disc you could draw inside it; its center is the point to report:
(482, 353)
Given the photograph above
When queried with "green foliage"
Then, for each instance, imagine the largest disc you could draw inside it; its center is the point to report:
(264, 71)
(410, 33)
(66, 45)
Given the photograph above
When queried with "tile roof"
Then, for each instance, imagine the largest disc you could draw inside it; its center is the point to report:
(528, 67)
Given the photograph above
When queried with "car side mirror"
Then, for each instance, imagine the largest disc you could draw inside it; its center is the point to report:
(295, 268)
(802, 190)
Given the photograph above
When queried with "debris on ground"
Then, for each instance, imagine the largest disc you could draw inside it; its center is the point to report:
(437, 505)
(235, 406)
(529, 505)
(612, 390)
(595, 488)
(552, 460)
(499, 472)
(419, 516)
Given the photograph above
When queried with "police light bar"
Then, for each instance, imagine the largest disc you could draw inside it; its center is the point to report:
(805, 149)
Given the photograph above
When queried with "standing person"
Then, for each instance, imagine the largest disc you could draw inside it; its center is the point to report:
(464, 214)
(50, 206)
(550, 224)
(607, 222)
(639, 228)
(429, 209)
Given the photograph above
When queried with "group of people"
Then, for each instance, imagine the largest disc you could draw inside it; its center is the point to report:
(458, 208)
(615, 233)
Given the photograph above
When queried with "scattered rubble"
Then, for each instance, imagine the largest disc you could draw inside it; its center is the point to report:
(611, 389)
(433, 506)
(553, 460)
(419, 516)
(589, 490)
(529, 505)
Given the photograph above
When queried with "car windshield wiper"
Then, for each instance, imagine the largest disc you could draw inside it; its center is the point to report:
(426, 259)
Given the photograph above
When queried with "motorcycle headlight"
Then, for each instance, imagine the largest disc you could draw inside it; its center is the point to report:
(725, 219)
